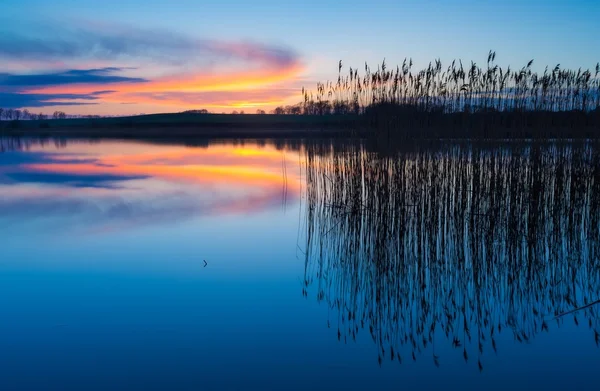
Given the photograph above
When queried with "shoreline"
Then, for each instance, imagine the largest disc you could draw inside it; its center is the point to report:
(182, 132)
(385, 126)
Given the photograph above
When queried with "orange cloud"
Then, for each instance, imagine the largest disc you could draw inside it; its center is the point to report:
(148, 68)
(201, 82)
(237, 89)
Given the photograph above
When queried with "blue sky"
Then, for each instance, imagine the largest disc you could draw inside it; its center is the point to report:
(304, 40)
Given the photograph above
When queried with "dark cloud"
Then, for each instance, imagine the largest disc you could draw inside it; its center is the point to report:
(109, 45)
(72, 76)
(14, 100)
(116, 42)
(12, 85)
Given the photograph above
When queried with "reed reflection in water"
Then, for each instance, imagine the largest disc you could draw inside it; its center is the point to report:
(454, 244)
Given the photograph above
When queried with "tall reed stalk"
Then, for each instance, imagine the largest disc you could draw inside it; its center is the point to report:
(457, 88)
(467, 101)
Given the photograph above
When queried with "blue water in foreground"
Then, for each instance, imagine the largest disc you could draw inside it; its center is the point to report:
(103, 284)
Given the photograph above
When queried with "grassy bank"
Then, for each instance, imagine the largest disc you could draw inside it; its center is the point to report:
(383, 122)
(184, 119)
(464, 101)
(185, 125)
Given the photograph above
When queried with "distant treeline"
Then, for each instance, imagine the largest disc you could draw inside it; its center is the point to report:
(25, 114)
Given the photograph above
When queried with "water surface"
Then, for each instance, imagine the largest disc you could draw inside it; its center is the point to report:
(327, 266)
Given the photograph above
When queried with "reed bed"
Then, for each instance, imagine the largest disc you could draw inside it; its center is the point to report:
(454, 245)
(466, 96)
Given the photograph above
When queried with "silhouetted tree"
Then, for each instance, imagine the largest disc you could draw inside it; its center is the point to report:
(59, 115)
(293, 110)
(201, 111)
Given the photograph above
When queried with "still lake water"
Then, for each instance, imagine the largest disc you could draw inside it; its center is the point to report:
(447, 273)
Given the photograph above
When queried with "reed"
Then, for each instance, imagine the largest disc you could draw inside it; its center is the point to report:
(464, 96)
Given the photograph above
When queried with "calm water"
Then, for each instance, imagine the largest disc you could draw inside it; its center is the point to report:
(327, 267)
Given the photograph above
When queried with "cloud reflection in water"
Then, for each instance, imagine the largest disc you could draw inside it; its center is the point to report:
(110, 185)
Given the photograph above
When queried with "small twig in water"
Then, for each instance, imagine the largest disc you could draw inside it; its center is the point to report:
(577, 309)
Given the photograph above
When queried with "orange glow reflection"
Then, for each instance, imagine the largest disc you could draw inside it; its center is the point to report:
(247, 166)
(121, 185)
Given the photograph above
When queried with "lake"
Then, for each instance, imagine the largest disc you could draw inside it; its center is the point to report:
(290, 265)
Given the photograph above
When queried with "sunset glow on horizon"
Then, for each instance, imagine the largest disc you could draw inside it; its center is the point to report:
(242, 90)
(131, 56)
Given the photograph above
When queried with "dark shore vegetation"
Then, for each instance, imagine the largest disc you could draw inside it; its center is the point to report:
(386, 104)
(187, 126)
(453, 244)
(465, 101)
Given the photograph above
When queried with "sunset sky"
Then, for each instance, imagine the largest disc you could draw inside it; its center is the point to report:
(146, 56)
